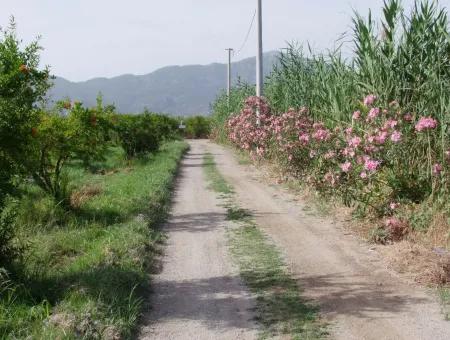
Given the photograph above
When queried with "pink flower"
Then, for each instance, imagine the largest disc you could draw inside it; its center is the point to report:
(396, 136)
(390, 123)
(348, 131)
(373, 113)
(330, 155)
(356, 115)
(321, 134)
(381, 137)
(426, 123)
(363, 175)
(437, 169)
(304, 138)
(346, 167)
(355, 142)
(369, 100)
(371, 165)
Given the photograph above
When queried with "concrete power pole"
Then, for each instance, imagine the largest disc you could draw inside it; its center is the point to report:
(259, 55)
(230, 50)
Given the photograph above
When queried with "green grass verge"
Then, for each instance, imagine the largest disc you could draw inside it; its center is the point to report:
(444, 294)
(85, 271)
(281, 309)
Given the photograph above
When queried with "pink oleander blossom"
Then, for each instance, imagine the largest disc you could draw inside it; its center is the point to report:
(355, 142)
(373, 113)
(371, 165)
(381, 137)
(346, 167)
(321, 134)
(369, 100)
(426, 123)
(396, 136)
(304, 138)
(437, 169)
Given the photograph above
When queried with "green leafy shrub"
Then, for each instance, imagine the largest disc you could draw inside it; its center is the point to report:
(197, 127)
(142, 133)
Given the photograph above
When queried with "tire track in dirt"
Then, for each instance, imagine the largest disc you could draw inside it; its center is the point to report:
(198, 294)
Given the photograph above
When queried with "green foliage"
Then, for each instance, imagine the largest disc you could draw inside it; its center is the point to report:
(85, 271)
(22, 87)
(144, 132)
(224, 108)
(60, 137)
(197, 127)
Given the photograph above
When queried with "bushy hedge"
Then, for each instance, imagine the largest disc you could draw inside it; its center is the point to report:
(197, 127)
(140, 133)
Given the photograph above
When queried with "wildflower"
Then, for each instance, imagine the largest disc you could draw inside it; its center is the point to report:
(373, 113)
(426, 123)
(437, 169)
(346, 167)
(312, 154)
(369, 100)
(348, 131)
(396, 136)
(356, 115)
(363, 175)
(290, 157)
(371, 165)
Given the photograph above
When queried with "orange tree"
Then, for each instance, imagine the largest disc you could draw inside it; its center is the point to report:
(62, 135)
(22, 87)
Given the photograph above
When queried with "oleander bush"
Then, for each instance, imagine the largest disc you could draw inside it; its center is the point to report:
(373, 130)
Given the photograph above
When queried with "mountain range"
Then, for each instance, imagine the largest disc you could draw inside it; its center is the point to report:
(176, 90)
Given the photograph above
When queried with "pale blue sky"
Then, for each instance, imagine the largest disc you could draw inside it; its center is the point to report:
(91, 38)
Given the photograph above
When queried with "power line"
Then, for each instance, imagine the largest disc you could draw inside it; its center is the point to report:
(248, 34)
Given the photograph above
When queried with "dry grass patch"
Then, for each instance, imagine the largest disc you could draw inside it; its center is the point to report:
(81, 196)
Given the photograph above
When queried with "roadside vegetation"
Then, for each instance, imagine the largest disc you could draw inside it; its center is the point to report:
(197, 127)
(82, 192)
(372, 131)
(281, 309)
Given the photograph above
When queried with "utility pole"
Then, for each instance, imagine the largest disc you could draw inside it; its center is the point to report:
(259, 55)
(230, 50)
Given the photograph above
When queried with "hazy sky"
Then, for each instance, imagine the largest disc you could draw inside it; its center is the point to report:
(91, 38)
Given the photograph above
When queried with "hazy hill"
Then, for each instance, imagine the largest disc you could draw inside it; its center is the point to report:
(180, 90)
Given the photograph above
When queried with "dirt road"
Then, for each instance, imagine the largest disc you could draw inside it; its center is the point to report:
(356, 293)
(199, 296)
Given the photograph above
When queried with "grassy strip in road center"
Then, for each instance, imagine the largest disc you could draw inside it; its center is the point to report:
(281, 308)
